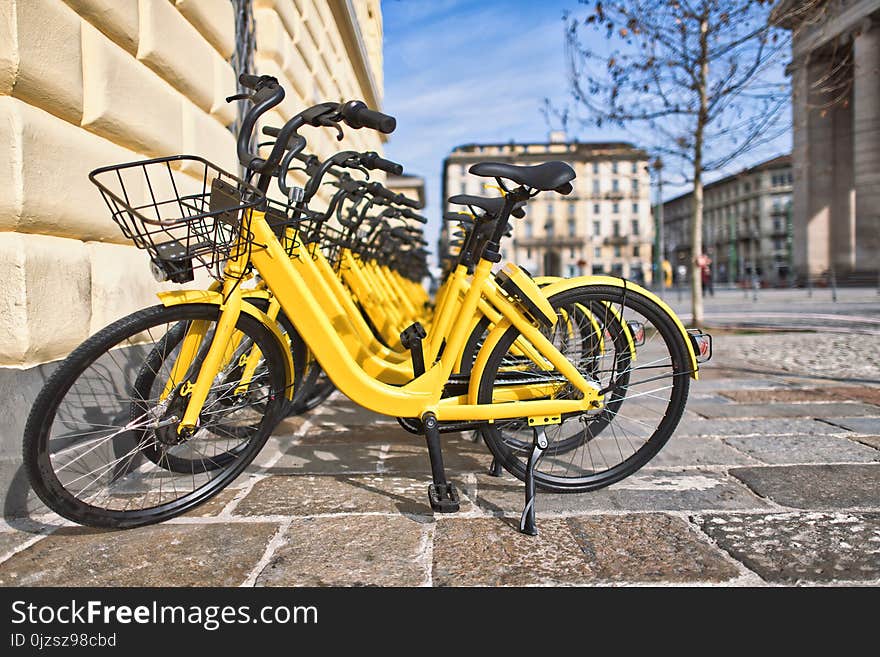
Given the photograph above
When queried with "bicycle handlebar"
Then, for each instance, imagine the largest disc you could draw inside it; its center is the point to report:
(372, 160)
(358, 115)
(267, 94)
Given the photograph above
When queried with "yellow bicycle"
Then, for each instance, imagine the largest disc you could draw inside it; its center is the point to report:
(162, 409)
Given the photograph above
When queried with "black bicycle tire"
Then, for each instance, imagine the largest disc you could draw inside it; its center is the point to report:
(42, 477)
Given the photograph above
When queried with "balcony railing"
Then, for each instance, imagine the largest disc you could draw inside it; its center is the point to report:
(616, 240)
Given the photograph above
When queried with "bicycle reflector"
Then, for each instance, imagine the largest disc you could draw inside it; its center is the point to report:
(702, 343)
(637, 331)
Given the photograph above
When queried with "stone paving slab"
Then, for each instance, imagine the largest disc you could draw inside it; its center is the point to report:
(815, 486)
(13, 539)
(867, 394)
(777, 410)
(647, 490)
(586, 550)
(368, 434)
(313, 495)
(683, 451)
(803, 449)
(336, 457)
(754, 427)
(796, 547)
(219, 554)
(215, 505)
(348, 551)
(780, 395)
(490, 552)
(864, 394)
(648, 548)
(709, 382)
(866, 425)
(872, 441)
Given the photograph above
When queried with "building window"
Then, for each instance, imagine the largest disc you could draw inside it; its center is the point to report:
(635, 167)
(529, 253)
(595, 186)
(528, 227)
(615, 185)
(615, 208)
(635, 208)
(614, 167)
(595, 167)
(572, 271)
(617, 270)
(571, 209)
(549, 209)
(616, 251)
(464, 188)
(777, 244)
(777, 224)
(597, 228)
(635, 185)
(571, 253)
(597, 270)
(572, 227)
(635, 226)
(463, 169)
(549, 228)
(636, 251)
(595, 208)
(597, 252)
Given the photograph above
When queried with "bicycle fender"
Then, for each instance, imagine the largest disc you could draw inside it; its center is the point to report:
(568, 283)
(181, 297)
(483, 356)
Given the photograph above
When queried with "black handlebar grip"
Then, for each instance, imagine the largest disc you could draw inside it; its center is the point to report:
(376, 189)
(358, 115)
(409, 214)
(408, 202)
(372, 160)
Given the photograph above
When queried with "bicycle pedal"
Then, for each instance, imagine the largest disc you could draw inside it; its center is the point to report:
(444, 498)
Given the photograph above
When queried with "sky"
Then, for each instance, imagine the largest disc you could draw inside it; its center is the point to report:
(472, 71)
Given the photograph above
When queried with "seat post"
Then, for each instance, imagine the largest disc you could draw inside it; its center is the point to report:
(492, 252)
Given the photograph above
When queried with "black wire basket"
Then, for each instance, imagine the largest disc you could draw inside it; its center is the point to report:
(184, 211)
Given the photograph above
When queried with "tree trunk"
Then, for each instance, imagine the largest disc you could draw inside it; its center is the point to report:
(697, 218)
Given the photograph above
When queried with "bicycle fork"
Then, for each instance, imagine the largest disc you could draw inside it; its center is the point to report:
(214, 359)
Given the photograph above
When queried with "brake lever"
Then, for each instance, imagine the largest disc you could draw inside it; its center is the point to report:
(235, 97)
(330, 123)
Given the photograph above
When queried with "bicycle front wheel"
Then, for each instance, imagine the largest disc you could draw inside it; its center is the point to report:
(101, 445)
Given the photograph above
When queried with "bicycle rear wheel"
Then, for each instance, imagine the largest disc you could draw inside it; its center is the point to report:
(646, 388)
(101, 445)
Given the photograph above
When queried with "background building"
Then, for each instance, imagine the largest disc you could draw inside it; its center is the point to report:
(835, 75)
(746, 229)
(86, 83)
(604, 226)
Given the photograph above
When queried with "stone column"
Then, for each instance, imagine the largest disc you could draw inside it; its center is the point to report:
(866, 146)
(800, 172)
(842, 221)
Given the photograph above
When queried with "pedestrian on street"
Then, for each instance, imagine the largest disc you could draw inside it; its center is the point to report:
(705, 264)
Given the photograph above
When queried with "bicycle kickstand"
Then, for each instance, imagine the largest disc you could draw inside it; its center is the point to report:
(441, 494)
(527, 523)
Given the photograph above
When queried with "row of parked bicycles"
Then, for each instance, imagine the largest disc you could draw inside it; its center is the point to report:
(573, 384)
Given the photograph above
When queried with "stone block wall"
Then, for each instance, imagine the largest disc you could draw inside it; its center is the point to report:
(87, 83)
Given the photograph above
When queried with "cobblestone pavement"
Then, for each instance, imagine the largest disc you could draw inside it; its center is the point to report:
(771, 479)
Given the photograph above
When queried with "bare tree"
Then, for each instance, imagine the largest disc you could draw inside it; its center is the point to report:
(701, 83)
